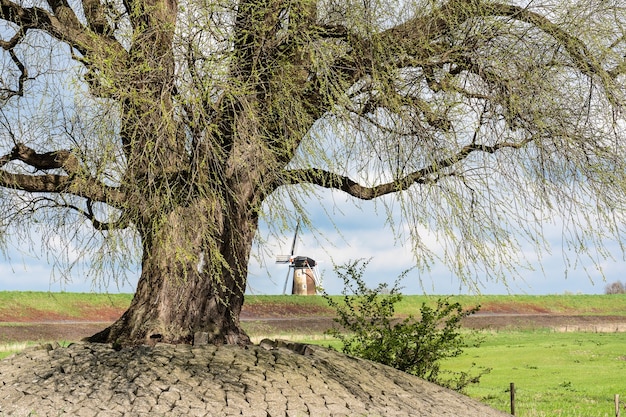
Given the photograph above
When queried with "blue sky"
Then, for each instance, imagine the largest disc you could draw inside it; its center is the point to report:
(359, 233)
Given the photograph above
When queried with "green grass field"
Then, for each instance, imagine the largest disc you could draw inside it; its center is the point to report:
(555, 374)
(66, 304)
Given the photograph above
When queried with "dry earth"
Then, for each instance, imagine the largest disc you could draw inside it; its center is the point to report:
(268, 319)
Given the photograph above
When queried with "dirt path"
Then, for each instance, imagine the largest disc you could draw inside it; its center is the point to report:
(262, 325)
(556, 322)
(262, 319)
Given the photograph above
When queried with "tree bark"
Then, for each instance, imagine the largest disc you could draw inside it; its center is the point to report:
(193, 280)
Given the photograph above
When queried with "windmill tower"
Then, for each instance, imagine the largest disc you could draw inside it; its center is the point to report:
(305, 281)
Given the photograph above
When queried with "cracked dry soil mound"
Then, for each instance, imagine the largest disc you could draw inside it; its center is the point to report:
(270, 379)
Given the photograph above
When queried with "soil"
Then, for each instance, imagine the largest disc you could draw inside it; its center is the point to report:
(269, 319)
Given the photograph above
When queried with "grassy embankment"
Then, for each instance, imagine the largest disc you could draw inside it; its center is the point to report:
(19, 308)
(580, 304)
(77, 305)
(26, 305)
(555, 374)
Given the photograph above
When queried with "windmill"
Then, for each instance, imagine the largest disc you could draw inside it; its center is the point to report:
(305, 279)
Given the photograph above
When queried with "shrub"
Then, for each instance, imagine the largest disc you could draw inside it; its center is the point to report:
(416, 346)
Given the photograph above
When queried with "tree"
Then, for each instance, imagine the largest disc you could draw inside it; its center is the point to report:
(616, 287)
(174, 127)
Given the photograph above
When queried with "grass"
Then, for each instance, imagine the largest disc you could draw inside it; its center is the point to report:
(579, 304)
(8, 349)
(64, 304)
(295, 300)
(555, 374)
(74, 304)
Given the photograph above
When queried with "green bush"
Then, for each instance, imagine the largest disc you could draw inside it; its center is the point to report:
(417, 346)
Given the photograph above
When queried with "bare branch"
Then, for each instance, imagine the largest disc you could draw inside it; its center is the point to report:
(8, 46)
(77, 181)
(432, 173)
(7, 92)
(11, 43)
(62, 24)
(47, 202)
(121, 223)
(63, 159)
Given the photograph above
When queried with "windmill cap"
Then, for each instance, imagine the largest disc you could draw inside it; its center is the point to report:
(303, 261)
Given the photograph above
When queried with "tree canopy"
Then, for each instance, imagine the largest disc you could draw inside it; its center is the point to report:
(173, 126)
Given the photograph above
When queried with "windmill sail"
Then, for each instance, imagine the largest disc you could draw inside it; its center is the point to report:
(283, 259)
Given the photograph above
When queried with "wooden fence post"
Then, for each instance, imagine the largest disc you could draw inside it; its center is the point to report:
(616, 405)
(512, 389)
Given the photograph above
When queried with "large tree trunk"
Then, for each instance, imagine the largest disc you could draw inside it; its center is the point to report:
(193, 280)
(196, 230)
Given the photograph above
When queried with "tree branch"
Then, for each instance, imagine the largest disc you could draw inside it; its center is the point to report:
(415, 36)
(425, 175)
(8, 92)
(47, 202)
(61, 24)
(120, 223)
(578, 51)
(77, 181)
(62, 159)
(96, 18)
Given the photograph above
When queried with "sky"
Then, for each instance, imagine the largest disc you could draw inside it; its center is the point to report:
(360, 233)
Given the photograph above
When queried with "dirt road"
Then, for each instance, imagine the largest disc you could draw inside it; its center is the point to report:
(261, 324)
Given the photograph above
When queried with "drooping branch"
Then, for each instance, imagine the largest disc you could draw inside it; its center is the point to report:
(577, 50)
(51, 203)
(7, 93)
(416, 36)
(432, 173)
(77, 181)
